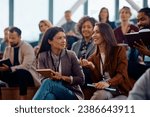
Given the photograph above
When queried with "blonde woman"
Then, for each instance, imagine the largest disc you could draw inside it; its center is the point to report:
(43, 26)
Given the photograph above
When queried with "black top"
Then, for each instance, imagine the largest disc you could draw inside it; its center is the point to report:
(16, 61)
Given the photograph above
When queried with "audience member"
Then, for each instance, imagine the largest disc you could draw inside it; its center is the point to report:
(136, 69)
(108, 64)
(43, 26)
(143, 23)
(70, 29)
(69, 26)
(126, 26)
(4, 42)
(22, 57)
(68, 74)
(85, 46)
(104, 17)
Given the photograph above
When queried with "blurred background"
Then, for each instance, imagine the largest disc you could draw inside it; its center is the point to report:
(26, 14)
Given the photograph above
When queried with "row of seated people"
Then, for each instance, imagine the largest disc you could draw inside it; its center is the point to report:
(65, 83)
(108, 63)
(102, 75)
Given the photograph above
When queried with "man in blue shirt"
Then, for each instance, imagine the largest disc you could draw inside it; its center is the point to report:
(69, 26)
(70, 29)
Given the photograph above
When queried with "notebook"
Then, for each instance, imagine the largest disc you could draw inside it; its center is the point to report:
(108, 88)
(144, 35)
(46, 72)
(6, 62)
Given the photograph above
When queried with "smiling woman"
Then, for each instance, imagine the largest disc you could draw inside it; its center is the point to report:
(67, 75)
(108, 65)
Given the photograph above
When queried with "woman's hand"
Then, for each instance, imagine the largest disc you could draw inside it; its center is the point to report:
(86, 63)
(56, 76)
(101, 85)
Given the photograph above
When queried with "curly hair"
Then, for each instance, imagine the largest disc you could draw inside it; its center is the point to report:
(83, 20)
(146, 10)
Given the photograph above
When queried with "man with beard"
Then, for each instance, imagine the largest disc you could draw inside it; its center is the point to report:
(141, 88)
(143, 23)
(22, 57)
(136, 69)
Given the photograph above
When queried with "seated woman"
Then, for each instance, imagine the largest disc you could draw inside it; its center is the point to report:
(104, 17)
(108, 64)
(68, 74)
(43, 26)
(85, 46)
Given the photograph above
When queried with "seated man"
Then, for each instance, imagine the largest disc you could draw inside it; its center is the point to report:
(135, 69)
(70, 29)
(22, 57)
(143, 23)
(69, 26)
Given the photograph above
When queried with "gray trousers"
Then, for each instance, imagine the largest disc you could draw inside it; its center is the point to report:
(106, 95)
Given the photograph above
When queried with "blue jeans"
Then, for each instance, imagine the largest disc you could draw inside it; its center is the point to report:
(54, 90)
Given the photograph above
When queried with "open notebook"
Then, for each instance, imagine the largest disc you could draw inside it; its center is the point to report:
(6, 62)
(143, 34)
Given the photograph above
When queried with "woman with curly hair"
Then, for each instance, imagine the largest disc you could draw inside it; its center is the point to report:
(85, 46)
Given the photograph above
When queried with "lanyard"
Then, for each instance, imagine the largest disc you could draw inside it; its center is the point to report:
(103, 71)
(56, 67)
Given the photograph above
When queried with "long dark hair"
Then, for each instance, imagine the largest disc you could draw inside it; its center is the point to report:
(108, 35)
(49, 35)
(99, 17)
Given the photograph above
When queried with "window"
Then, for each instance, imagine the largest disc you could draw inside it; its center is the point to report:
(148, 3)
(94, 7)
(27, 14)
(4, 20)
(60, 6)
(139, 3)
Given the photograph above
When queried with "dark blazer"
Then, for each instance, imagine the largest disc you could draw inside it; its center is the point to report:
(112, 24)
(69, 67)
(118, 71)
(76, 48)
